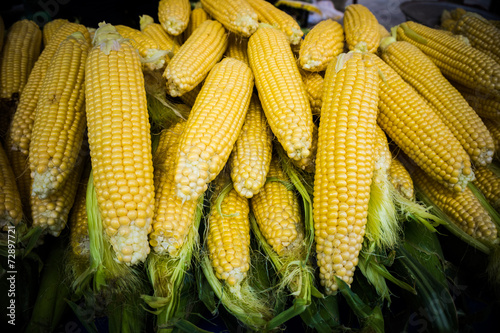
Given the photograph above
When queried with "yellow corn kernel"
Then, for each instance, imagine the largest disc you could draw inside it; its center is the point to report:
(174, 15)
(228, 239)
(494, 128)
(344, 165)
(270, 14)
(401, 179)
(419, 132)
(10, 200)
(173, 218)
(488, 182)
(195, 58)
(197, 17)
(314, 87)
(236, 15)
(321, 45)
(50, 29)
(308, 164)
(190, 97)
(120, 143)
(423, 75)
(19, 136)
(277, 212)
(448, 24)
(20, 52)
(78, 222)
(213, 126)
(251, 155)
(60, 123)
(163, 39)
(360, 25)
(464, 209)
(237, 48)
(486, 105)
(456, 60)
(281, 91)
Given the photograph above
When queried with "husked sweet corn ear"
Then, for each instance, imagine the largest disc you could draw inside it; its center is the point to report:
(488, 182)
(361, 25)
(251, 154)
(277, 212)
(314, 88)
(321, 45)
(281, 91)
(60, 117)
(120, 143)
(161, 37)
(50, 29)
(19, 54)
(401, 179)
(197, 17)
(195, 58)
(456, 60)
(410, 122)
(228, 239)
(173, 217)
(237, 48)
(270, 14)
(236, 15)
(10, 201)
(464, 208)
(423, 75)
(308, 163)
(174, 15)
(213, 126)
(190, 97)
(344, 165)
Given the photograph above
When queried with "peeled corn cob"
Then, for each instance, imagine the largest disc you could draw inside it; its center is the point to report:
(251, 154)
(401, 179)
(321, 45)
(488, 182)
(10, 200)
(281, 91)
(60, 117)
(195, 58)
(155, 31)
(174, 15)
(236, 15)
(51, 28)
(190, 97)
(197, 17)
(237, 48)
(228, 238)
(423, 75)
(464, 208)
(277, 212)
(419, 131)
(314, 88)
(360, 25)
(270, 14)
(308, 163)
(344, 165)
(456, 60)
(213, 126)
(120, 143)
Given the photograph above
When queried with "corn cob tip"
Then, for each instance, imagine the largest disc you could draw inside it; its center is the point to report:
(144, 21)
(107, 37)
(296, 36)
(43, 183)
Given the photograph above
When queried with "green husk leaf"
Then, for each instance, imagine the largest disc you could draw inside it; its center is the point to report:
(412, 34)
(322, 314)
(495, 216)
(189, 327)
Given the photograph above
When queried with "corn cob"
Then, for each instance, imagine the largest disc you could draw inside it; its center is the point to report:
(197, 17)
(344, 165)
(270, 14)
(494, 128)
(190, 97)
(22, 123)
(173, 217)
(251, 155)
(423, 75)
(174, 15)
(236, 15)
(482, 34)
(383, 31)
(360, 25)
(51, 28)
(401, 179)
(488, 182)
(448, 24)
(228, 239)
(213, 126)
(21, 50)
(314, 88)
(281, 92)
(60, 117)
(237, 48)
(383, 156)
(120, 143)
(78, 223)
(321, 45)
(277, 211)
(10, 200)
(486, 105)
(419, 131)
(155, 31)
(195, 58)
(457, 13)
(308, 164)
(51, 213)
(456, 60)
(464, 208)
